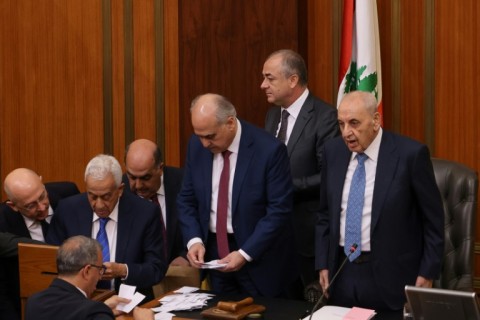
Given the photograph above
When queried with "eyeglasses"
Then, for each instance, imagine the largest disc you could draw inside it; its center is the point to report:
(34, 205)
(101, 269)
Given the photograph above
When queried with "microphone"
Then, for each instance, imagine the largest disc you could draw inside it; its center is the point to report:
(353, 248)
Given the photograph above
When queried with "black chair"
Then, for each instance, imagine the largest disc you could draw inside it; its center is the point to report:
(458, 186)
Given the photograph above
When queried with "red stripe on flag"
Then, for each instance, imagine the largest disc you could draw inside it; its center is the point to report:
(347, 34)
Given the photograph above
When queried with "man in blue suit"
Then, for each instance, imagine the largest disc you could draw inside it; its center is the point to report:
(246, 223)
(132, 226)
(401, 234)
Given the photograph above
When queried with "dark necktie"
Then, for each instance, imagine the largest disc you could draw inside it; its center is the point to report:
(154, 199)
(356, 197)
(45, 226)
(282, 133)
(222, 207)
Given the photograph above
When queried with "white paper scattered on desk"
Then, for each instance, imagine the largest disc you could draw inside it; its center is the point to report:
(164, 316)
(186, 301)
(128, 292)
(212, 265)
(186, 289)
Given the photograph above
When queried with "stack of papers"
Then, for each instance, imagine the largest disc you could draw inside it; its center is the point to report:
(128, 292)
(182, 302)
(212, 265)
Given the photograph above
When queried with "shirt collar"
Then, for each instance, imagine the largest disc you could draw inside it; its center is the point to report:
(30, 222)
(235, 145)
(294, 108)
(374, 147)
(113, 215)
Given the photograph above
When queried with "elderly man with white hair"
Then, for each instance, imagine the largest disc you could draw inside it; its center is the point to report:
(127, 227)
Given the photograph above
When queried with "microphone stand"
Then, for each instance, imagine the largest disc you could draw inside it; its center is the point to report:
(353, 248)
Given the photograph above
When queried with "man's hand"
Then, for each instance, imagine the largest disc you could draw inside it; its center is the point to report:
(142, 314)
(324, 283)
(195, 255)
(180, 262)
(235, 261)
(114, 270)
(112, 303)
(423, 282)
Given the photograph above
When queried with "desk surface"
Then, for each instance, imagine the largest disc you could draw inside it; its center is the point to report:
(277, 309)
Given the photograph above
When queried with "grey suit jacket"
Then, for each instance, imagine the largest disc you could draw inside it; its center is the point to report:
(316, 123)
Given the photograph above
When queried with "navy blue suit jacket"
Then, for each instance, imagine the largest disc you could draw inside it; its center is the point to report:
(62, 300)
(407, 224)
(172, 182)
(139, 237)
(261, 206)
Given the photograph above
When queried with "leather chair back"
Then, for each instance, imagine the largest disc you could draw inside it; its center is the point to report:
(458, 186)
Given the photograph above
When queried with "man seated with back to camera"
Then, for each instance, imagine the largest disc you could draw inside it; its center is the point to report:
(79, 264)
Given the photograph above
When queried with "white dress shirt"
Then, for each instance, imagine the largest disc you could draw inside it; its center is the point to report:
(370, 171)
(35, 227)
(293, 110)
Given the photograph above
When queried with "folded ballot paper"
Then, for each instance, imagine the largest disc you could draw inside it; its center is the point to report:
(341, 313)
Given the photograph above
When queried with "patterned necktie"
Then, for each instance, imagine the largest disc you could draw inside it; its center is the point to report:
(222, 207)
(154, 199)
(356, 197)
(282, 133)
(103, 239)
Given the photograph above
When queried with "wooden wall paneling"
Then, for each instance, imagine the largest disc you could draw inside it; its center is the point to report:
(412, 70)
(322, 70)
(222, 50)
(52, 117)
(173, 122)
(118, 79)
(144, 69)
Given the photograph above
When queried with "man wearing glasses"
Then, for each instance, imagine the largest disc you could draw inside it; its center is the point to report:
(79, 264)
(30, 205)
(26, 213)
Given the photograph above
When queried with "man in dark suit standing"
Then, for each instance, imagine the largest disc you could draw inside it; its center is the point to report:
(147, 177)
(303, 123)
(79, 264)
(127, 227)
(378, 191)
(236, 201)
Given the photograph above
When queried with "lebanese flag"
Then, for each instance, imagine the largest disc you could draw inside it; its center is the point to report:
(360, 67)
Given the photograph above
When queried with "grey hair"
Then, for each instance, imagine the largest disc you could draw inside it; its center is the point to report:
(225, 108)
(75, 253)
(292, 63)
(101, 165)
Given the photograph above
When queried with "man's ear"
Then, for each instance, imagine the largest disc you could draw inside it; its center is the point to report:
(11, 205)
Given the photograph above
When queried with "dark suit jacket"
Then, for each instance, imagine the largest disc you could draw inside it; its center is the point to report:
(62, 300)
(261, 205)
(407, 226)
(316, 123)
(139, 237)
(11, 221)
(172, 181)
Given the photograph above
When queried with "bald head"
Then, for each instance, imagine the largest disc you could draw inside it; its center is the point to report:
(144, 166)
(214, 121)
(26, 193)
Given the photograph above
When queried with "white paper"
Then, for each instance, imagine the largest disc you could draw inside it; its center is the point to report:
(186, 301)
(128, 292)
(329, 313)
(164, 316)
(186, 289)
(212, 265)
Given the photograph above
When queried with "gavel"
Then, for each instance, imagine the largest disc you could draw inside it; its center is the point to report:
(234, 306)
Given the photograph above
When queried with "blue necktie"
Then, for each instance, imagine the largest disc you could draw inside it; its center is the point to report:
(103, 239)
(356, 197)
